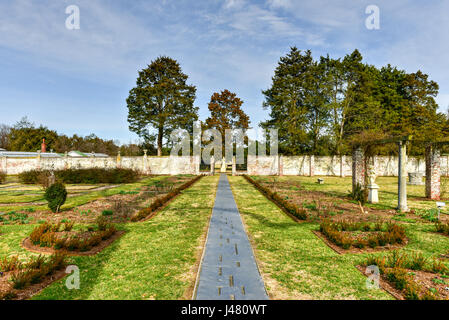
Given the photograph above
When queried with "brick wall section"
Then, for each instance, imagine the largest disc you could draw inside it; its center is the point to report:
(358, 168)
(433, 168)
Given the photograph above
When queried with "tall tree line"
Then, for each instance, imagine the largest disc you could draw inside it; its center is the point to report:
(321, 106)
(26, 136)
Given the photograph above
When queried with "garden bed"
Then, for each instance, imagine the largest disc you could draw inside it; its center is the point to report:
(51, 238)
(356, 237)
(293, 211)
(20, 281)
(160, 202)
(320, 205)
(119, 207)
(410, 277)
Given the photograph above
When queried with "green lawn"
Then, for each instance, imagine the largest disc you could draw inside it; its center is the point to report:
(388, 192)
(296, 264)
(155, 259)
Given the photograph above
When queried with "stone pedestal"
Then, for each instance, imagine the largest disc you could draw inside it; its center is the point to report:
(373, 194)
(415, 178)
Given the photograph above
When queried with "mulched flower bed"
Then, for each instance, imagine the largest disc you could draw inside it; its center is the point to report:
(356, 237)
(319, 205)
(123, 205)
(21, 280)
(410, 277)
(51, 238)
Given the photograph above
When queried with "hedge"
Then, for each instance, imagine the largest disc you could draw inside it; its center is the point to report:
(87, 176)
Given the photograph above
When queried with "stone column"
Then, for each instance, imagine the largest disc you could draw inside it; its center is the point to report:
(197, 160)
(281, 165)
(402, 177)
(119, 160)
(212, 165)
(4, 167)
(312, 166)
(38, 160)
(145, 162)
(342, 166)
(358, 168)
(433, 173)
(234, 167)
(66, 160)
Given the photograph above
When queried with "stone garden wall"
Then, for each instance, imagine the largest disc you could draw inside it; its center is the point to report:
(332, 166)
(268, 165)
(147, 165)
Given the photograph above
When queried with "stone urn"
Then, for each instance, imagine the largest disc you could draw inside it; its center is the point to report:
(415, 178)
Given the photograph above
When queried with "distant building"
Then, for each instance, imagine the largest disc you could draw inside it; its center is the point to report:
(71, 154)
(20, 154)
(79, 154)
(44, 154)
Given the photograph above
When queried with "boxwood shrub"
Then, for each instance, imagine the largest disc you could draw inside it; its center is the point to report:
(56, 195)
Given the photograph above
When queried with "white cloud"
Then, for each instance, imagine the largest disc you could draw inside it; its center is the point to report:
(234, 4)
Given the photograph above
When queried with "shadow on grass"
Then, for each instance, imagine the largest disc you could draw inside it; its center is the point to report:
(265, 221)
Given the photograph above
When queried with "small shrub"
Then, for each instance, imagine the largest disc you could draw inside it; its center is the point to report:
(36, 262)
(359, 194)
(107, 213)
(2, 177)
(11, 264)
(102, 223)
(442, 227)
(416, 262)
(396, 260)
(45, 236)
(439, 267)
(334, 232)
(398, 277)
(21, 279)
(68, 226)
(56, 196)
(372, 241)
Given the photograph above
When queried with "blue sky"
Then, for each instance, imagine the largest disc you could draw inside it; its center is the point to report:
(76, 81)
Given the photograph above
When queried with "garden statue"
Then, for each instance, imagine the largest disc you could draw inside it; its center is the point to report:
(223, 165)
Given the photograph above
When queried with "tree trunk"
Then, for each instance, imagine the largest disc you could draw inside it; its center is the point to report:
(159, 141)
